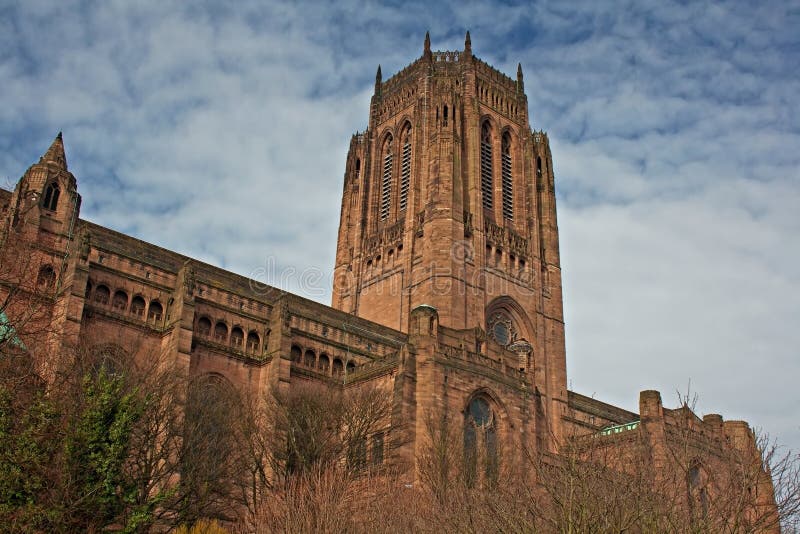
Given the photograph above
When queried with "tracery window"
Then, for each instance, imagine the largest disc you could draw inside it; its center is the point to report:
(508, 183)
(480, 441)
(386, 178)
(486, 167)
(51, 193)
(405, 169)
(501, 328)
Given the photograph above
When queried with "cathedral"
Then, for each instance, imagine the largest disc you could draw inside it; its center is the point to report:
(447, 283)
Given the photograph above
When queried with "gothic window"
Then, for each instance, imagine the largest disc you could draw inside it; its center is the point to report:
(405, 169)
(102, 294)
(253, 341)
(137, 308)
(47, 278)
(120, 300)
(508, 183)
(220, 332)
(50, 200)
(501, 328)
(310, 358)
(237, 337)
(155, 311)
(480, 441)
(296, 354)
(386, 179)
(203, 325)
(486, 167)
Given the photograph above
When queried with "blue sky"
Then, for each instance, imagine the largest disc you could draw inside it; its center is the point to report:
(220, 130)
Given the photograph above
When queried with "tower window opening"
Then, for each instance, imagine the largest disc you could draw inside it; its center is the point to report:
(50, 200)
(237, 337)
(358, 169)
(480, 441)
(47, 278)
(120, 300)
(486, 166)
(508, 182)
(155, 311)
(386, 181)
(203, 326)
(102, 294)
(538, 167)
(405, 170)
(138, 305)
(444, 117)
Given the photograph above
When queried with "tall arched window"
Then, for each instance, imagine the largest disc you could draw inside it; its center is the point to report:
(50, 200)
(386, 178)
(138, 305)
(237, 337)
(253, 341)
(405, 168)
(480, 441)
(358, 169)
(539, 169)
(486, 167)
(155, 311)
(120, 300)
(508, 183)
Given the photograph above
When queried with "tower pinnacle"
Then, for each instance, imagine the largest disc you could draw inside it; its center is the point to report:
(520, 85)
(468, 44)
(55, 154)
(378, 79)
(427, 52)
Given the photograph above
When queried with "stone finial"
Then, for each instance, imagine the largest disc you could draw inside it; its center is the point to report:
(55, 154)
(468, 44)
(378, 79)
(427, 51)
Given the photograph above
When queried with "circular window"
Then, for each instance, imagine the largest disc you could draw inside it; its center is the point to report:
(502, 329)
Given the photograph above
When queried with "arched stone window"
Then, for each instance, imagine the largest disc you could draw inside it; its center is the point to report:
(386, 178)
(50, 199)
(237, 337)
(138, 305)
(338, 368)
(405, 167)
(487, 183)
(120, 300)
(155, 311)
(102, 294)
(507, 182)
(203, 326)
(253, 341)
(480, 440)
(47, 278)
(324, 363)
(350, 367)
(220, 332)
(310, 358)
(296, 354)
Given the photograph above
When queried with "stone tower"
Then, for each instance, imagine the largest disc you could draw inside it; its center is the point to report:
(449, 202)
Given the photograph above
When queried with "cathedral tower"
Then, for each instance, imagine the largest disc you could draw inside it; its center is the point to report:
(449, 202)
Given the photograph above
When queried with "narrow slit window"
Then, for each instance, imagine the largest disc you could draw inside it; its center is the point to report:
(508, 182)
(486, 167)
(386, 179)
(405, 170)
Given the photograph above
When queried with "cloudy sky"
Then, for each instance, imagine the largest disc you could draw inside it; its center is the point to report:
(220, 129)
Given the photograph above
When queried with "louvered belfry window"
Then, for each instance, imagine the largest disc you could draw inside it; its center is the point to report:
(386, 179)
(405, 169)
(508, 182)
(486, 166)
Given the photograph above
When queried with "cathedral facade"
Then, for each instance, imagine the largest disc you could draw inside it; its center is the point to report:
(447, 288)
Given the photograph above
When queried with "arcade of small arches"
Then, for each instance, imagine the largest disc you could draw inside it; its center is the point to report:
(118, 301)
(234, 337)
(321, 361)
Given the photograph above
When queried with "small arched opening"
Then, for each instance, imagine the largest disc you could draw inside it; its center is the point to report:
(237, 337)
(47, 278)
(253, 341)
(120, 300)
(137, 306)
(324, 363)
(51, 194)
(102, 294)
(220, 332)
(155, 312)
(204, 326)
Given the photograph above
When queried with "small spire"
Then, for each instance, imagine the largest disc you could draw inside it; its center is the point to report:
(378, 80)
(55, 154)
(427, 42)
(467, 43)
(520, 84)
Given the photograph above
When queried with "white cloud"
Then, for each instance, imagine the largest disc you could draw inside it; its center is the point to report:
(221, 132)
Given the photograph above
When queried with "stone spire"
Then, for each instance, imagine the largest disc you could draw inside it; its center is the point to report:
(468, 44)
(55, 154)
(520, 84)
(378, 79)
(427, 52)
